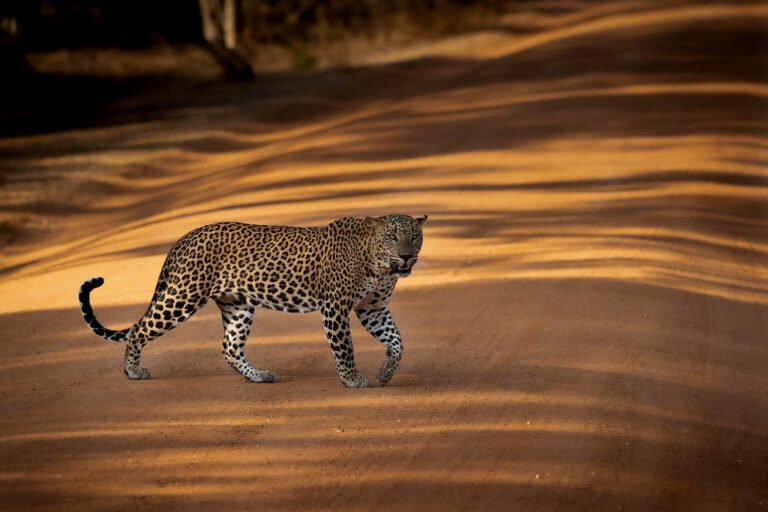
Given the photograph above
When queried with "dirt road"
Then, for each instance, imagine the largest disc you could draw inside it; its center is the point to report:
(586, 329)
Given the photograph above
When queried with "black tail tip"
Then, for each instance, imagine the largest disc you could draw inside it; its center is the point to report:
(92, 283)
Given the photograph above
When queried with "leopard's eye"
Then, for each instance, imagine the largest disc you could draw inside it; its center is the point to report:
(393, 238)
(414, 237)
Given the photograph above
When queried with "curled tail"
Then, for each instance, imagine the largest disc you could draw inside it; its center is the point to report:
(85, 307)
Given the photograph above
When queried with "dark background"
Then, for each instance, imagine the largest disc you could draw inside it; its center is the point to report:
(75, 33)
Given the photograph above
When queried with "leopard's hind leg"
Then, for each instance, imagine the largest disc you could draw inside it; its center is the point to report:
(237, 317)
(169, 308)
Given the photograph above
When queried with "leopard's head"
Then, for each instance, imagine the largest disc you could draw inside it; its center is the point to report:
(398, 241)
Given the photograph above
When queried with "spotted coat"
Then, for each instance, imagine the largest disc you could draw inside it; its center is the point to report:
(351, 264)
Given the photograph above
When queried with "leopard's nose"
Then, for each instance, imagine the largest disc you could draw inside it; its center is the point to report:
(406, 257)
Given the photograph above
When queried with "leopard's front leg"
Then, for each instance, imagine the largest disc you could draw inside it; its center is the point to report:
(336, 322)
(378, 321)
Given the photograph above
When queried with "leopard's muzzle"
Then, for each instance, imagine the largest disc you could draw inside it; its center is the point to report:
(403, 265)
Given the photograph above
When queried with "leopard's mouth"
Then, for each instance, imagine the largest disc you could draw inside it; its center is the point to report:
(400, 270)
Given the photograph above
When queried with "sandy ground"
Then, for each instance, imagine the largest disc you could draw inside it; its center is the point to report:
(586, 330)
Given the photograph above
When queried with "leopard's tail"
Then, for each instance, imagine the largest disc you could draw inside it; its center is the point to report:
(85, 307)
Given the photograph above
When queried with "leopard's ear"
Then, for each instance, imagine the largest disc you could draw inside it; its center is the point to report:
(374, 222)
(423, 219)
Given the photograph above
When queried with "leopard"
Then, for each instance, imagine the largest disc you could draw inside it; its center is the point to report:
(351, 264)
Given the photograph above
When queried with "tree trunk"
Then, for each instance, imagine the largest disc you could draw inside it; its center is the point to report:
(220, 31)
(228, 24)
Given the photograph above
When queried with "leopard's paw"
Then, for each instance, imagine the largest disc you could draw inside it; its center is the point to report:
(136, 372)
(358, 380)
